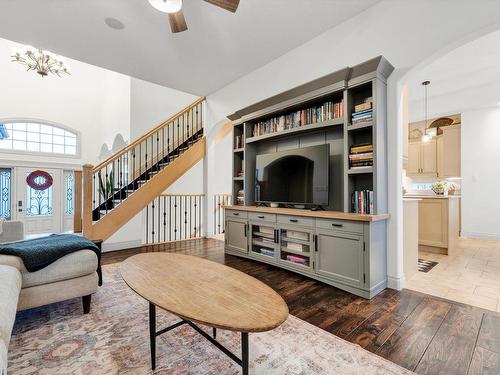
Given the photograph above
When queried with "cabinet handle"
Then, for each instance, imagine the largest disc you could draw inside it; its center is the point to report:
(316, 243)
(294, 220)
(245, 230)
(275, 236)
(261, 217)
(236, 213)
(337, 225)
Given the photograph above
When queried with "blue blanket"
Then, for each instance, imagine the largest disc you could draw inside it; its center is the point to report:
(40, 252)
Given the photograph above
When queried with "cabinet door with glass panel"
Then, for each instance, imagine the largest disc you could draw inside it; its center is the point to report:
(263, 240)
(296, 247)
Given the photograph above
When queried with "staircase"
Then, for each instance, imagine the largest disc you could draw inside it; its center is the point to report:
(123, 185)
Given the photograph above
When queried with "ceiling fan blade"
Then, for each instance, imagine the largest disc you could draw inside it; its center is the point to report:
(177, 22)
(230, 5)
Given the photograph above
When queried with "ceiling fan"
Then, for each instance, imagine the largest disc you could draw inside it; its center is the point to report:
(176, 17)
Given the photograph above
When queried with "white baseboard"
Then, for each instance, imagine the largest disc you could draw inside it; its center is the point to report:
(397, 283)
(481, 236)
(113, 246)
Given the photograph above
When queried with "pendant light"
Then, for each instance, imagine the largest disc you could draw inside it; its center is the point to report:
(427, 136)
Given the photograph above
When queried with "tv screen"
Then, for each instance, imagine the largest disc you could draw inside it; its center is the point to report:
(298, 176)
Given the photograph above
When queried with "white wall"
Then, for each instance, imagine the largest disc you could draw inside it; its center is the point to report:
(407, 34)
(481, 176)
(92, 101)
(150, 104)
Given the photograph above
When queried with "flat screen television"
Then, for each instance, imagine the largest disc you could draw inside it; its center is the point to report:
(295, 177)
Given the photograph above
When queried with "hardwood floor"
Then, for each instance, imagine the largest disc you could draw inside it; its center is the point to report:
(423, 333)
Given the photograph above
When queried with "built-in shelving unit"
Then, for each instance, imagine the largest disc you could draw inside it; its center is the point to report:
(358, 119)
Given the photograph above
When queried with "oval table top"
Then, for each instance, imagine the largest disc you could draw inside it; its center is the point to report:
(205, 292)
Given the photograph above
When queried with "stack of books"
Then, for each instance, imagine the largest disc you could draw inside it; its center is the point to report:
(363, 113)
(361, 156)
(240, 173)
(240, 198)
(296, 246)
(267, 252)
(295, 259)
(327, 111)
(362, 202)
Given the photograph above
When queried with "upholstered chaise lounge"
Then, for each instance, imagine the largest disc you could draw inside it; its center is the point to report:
(71, 276)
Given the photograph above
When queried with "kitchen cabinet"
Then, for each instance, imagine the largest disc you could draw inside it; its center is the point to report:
(422, 159)
(449, 152)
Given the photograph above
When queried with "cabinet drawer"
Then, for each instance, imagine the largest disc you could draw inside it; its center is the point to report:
(237, 214)
(296, 220)
(344, 225)
(262, 216)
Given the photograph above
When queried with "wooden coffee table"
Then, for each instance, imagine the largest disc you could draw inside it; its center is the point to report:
(204, 292)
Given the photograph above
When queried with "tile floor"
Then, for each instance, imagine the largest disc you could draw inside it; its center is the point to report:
(470, 275)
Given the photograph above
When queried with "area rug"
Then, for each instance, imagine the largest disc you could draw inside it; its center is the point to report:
(114, 339)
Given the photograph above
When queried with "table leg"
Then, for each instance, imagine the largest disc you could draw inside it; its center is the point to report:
(244, 352)
(152, 334)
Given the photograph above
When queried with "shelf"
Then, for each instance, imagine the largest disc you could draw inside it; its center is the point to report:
(295, 264)
(315, 126)
(238, 150)
(359, 126)
(289, 239)
(238, 178)
(263, 244)
(262, 234)
(360, 170)
(305, 254)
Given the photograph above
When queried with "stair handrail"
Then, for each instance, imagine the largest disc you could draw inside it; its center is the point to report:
(142, 138)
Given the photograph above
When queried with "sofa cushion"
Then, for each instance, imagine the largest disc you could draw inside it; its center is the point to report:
(79, 263)
(10, 286)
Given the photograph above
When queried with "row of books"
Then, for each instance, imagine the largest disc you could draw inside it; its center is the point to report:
(362, 202)
(363, 113)
(240, 197)
(327, 111)
(297, 247)
(361, 156)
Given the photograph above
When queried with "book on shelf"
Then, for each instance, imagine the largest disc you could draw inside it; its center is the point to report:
(295, 235)
(362, 202)
(267, 252)
(327, 111)
(266, 230)
(240, 173)
(296, 246)
(240, 198)
(363, 112)
(295, 259)
(361, 156)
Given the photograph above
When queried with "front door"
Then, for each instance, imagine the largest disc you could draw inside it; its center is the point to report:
(38, 206)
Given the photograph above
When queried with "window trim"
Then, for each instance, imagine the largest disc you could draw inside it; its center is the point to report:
(77, 154)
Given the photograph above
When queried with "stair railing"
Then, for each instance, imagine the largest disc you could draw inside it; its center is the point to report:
(219, 200)
(114, 179)
(174, 217)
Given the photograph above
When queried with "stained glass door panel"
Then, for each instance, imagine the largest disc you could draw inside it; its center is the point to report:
(39, 208)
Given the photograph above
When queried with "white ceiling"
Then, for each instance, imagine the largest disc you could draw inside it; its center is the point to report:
(218, 48)
(472, 65)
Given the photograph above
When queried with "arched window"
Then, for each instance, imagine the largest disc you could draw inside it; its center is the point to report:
(33, 136)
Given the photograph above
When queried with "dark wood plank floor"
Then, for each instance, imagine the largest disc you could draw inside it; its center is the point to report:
(426, 334)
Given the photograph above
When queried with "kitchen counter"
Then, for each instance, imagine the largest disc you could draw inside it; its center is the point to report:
(425, 196)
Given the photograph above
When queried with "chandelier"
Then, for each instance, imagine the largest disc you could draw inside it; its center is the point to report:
(43, 62)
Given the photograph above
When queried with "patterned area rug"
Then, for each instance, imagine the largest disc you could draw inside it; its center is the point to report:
(426, 265)
(113, 339)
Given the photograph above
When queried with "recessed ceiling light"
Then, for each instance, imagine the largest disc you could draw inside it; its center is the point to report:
(114, 23)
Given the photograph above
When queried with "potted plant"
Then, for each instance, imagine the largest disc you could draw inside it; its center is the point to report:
(106, 186)
(439, 187)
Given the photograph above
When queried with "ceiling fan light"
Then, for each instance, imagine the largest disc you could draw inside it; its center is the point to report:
(426, 138)
(167, 6)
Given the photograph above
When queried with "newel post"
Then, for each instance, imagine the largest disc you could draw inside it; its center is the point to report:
(87, 200)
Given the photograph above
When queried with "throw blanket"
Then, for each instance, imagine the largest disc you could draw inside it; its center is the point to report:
(40, 252)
